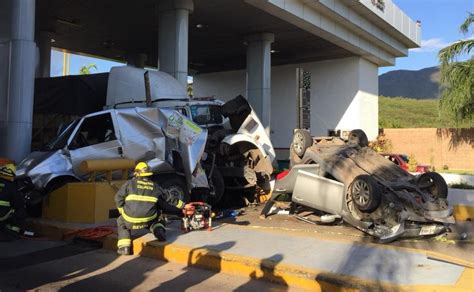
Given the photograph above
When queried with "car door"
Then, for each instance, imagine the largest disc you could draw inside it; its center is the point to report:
(96, 137)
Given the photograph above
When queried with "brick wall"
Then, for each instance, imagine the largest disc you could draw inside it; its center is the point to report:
(438, 147)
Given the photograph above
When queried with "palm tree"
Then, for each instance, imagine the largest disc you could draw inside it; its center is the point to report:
(86, 69)
(457, 77)
(190, 89)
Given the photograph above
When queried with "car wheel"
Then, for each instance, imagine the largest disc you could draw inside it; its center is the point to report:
(365, 193)
(175, 185)
(301, 141)
(34, 199)
(59, 182)
(216, 185)
(433, 183)
(358, 138)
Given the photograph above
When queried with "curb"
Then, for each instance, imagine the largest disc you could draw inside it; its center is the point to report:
(463, 213)
(283, 274)
(463, 203)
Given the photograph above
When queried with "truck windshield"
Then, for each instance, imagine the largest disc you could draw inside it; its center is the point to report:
(60, 141)
(206, 114)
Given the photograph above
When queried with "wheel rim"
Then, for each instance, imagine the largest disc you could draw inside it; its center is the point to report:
(361, 192)
(431, 188)
(177, 192)
(298, 140)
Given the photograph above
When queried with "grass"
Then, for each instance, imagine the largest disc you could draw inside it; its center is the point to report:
(462, 185)
(399, 112)
(457, 171)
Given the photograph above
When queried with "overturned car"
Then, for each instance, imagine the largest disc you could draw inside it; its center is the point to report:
(350, 180)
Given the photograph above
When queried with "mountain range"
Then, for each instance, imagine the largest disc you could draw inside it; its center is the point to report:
(420, 84)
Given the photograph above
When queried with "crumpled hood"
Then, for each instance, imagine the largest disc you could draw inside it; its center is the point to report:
(42, 166)
(31, 161)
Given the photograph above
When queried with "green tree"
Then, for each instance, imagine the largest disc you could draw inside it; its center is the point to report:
(457, 77)
(86, 69)
(190, 89)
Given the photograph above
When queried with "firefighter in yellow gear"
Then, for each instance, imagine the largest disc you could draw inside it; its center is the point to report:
(9, 200)
(140, 201)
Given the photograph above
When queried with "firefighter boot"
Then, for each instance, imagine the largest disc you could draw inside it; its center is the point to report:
(159, 231)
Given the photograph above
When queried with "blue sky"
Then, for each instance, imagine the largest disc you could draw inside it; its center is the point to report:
(440, 27)
(440, 20)
(76, 62)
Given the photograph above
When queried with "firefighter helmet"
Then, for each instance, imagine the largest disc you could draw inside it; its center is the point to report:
(142, 169)
(7, 171)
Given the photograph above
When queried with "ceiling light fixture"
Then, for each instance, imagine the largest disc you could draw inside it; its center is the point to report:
(67, 22)
(201, 25)
(108, 44)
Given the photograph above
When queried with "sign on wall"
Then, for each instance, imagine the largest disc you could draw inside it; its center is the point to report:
(303, 98)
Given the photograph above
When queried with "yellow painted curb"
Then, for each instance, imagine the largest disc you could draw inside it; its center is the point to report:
(284, 274)
(463, 212)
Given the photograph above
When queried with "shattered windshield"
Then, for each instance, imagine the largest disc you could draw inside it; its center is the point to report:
(60, 141)
(206, 114)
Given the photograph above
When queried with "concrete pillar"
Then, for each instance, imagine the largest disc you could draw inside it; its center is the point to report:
(44, 44)
(17, 86)
(136, 60)
(259, 75)
(173, 38)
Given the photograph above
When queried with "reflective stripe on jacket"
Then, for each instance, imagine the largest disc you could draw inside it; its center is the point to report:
(8, 198)
(138, 200)
(5, 203)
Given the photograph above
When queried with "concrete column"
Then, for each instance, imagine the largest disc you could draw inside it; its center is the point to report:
(16, 100)
(136, 60)
(259, 75)
(44, 44)
(173, 38)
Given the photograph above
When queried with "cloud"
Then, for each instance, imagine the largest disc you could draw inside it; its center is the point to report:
(434, 45)
(431, 45)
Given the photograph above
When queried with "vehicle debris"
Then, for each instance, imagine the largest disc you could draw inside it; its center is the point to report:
(238, 152)
(171, 144)
(348, 179)
(229, 214)
(188, 143)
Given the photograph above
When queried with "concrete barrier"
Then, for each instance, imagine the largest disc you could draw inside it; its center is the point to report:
(463, 202)
(452, 178)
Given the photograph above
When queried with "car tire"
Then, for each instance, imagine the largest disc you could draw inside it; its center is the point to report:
(59, 182)
(217, 187)
(34, 200)
(433, 183)
(301, 141)
(174, 184)
(365, 193)
(358, 138)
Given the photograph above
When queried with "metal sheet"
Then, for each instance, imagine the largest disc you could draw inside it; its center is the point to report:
(319, 192)
(127, 83)
(287, 184)
(253, 131)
